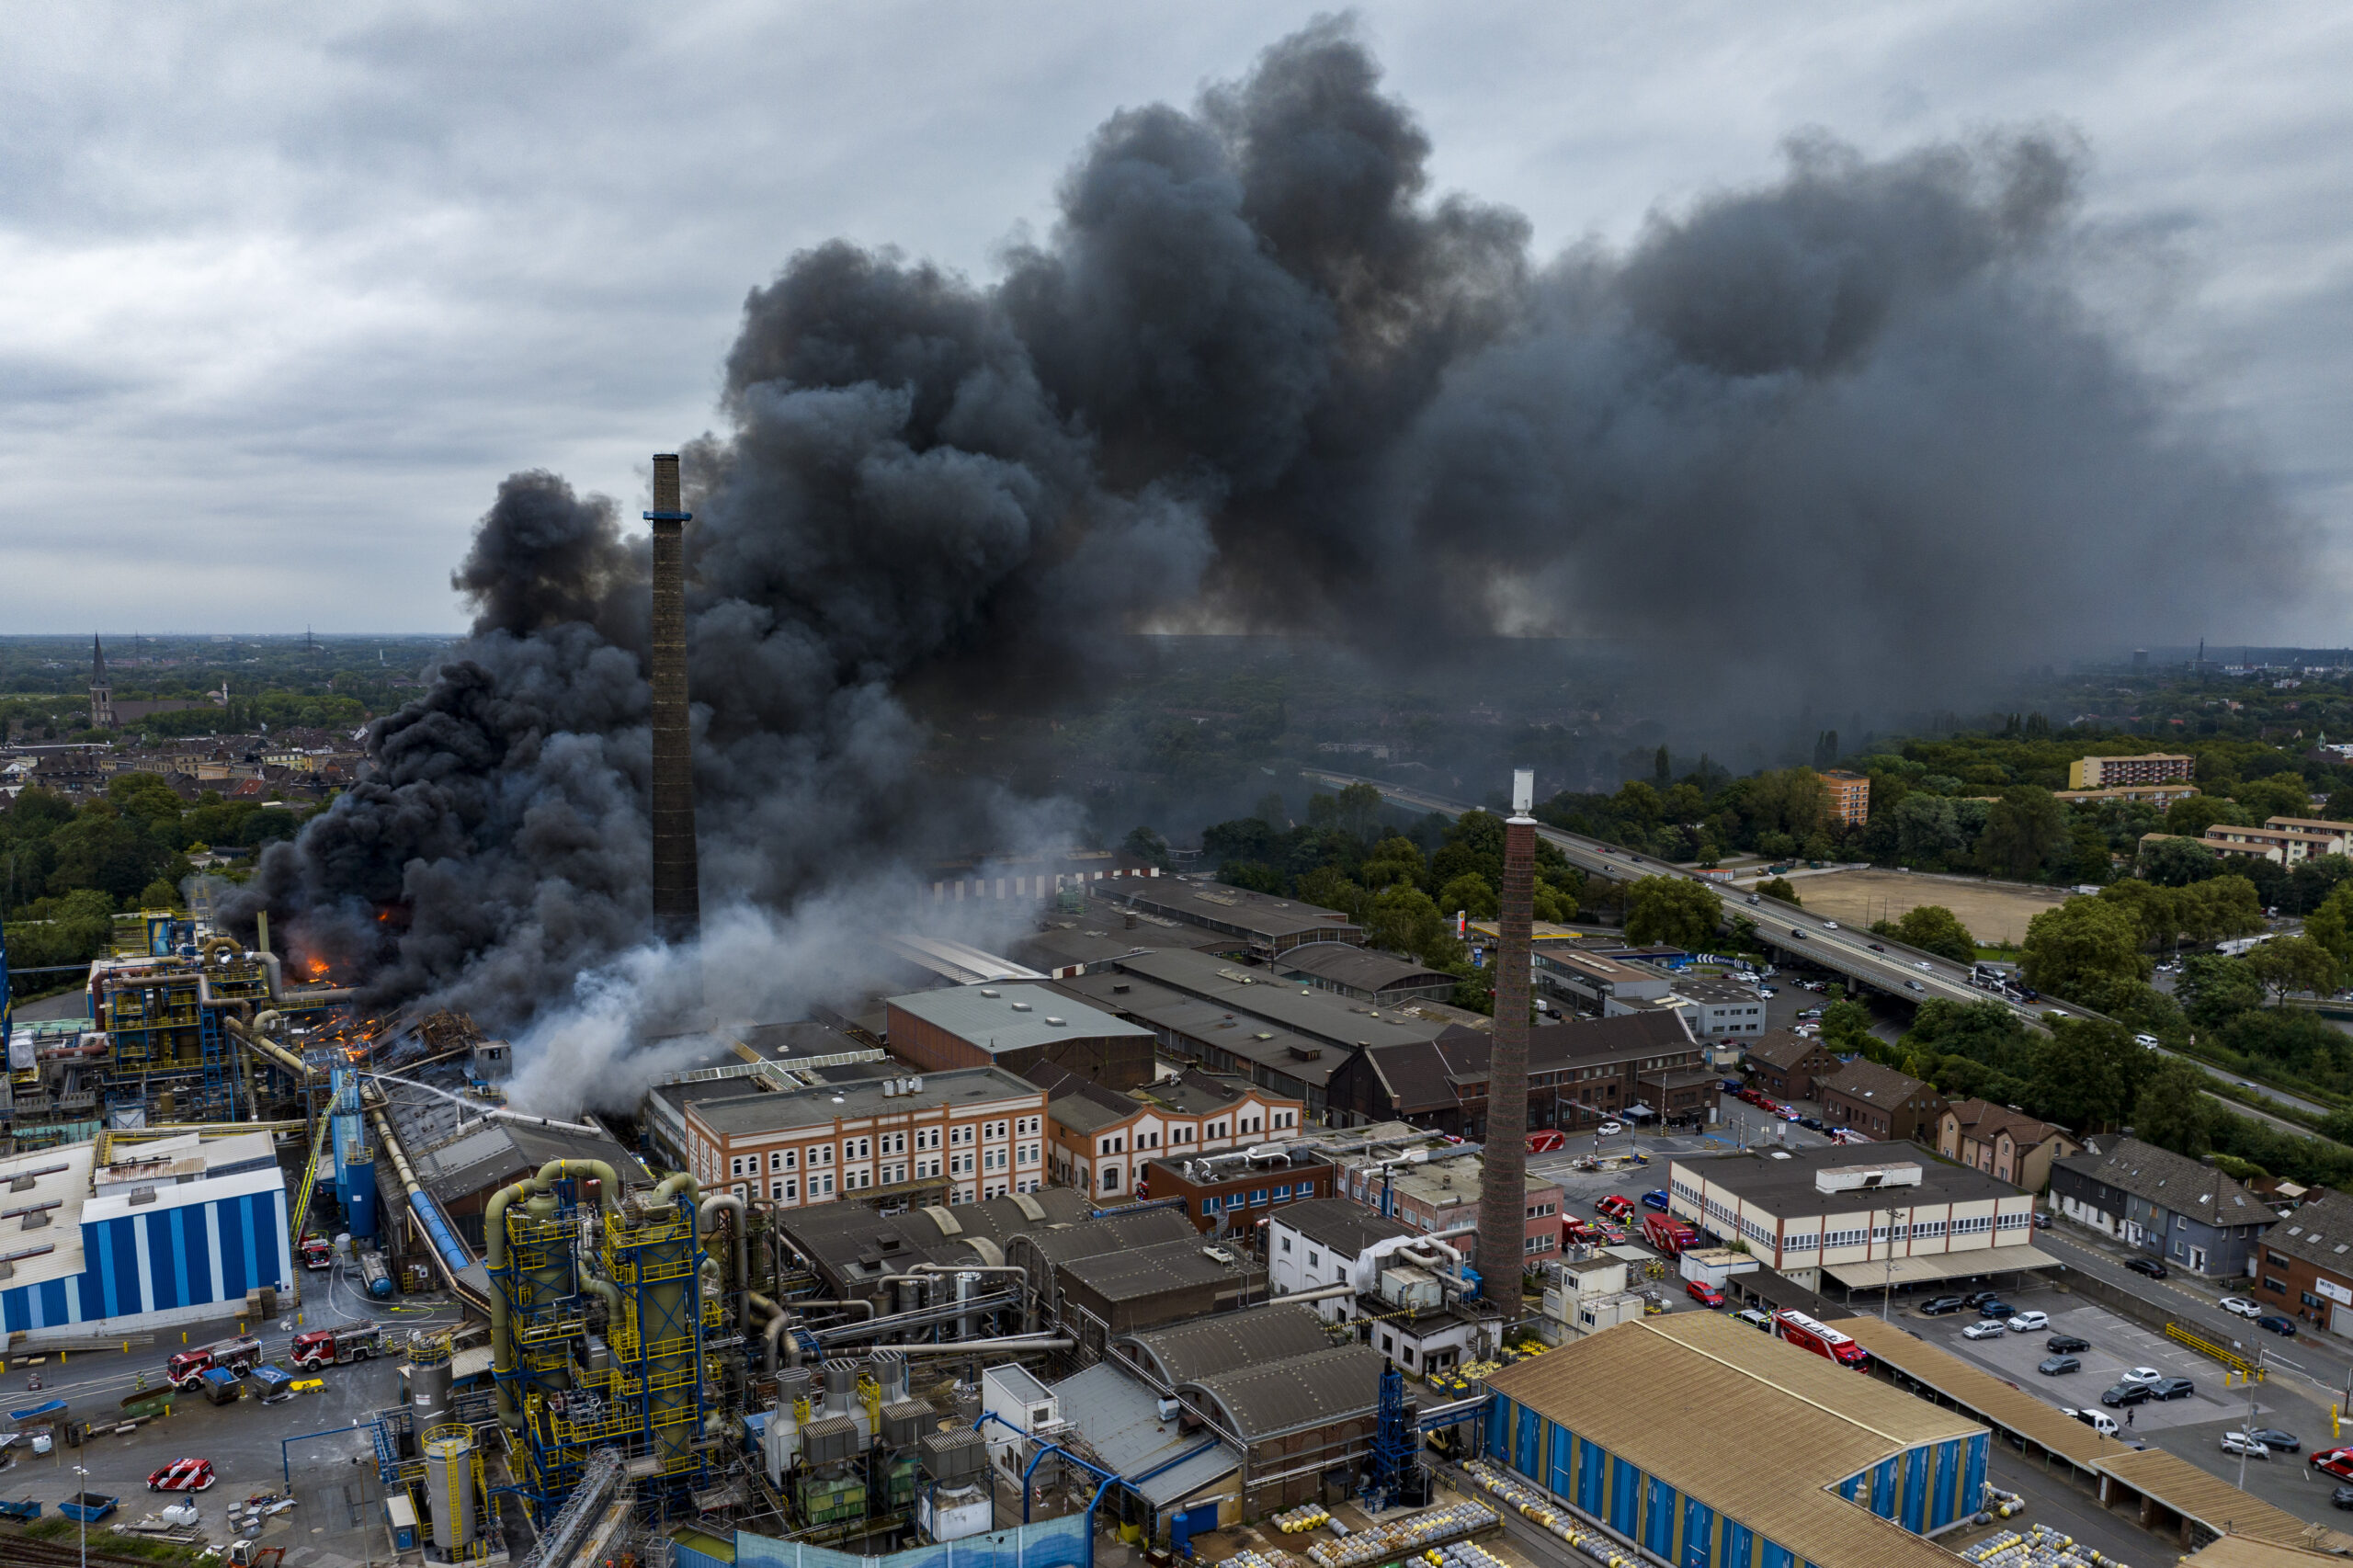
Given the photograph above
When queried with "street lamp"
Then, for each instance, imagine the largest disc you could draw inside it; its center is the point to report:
(84, 1486)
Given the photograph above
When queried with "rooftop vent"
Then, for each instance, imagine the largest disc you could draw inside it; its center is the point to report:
(1056, 1022)
(1021, 1007)
(989, 991)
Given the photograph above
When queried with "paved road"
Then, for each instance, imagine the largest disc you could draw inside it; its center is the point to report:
(1902, 973)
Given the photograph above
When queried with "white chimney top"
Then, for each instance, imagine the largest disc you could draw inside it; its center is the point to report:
(1523, 791)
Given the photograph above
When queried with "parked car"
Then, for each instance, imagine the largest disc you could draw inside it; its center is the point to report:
(1942, 1305)
(2029, 1323)
(2242, 1306)
(2342, 1498)
(2240, 1443)
(1995, 1307)
(2098, 1421)
(2142, 1375)
(2172, 1388)
(2123, 1394)
(2066, 1344)
(183, 1475)
(1609, 1129)
(2148, 1265)
(2278, 1441)
(2042, 1219)
(1985, 1328)
(1617, 1205)
(2276, 1324)
(1755, 1318)
(1702, 1292)
(1812, 1121)
(1655, 1199)
(2058, 1366)
(1979, 1297)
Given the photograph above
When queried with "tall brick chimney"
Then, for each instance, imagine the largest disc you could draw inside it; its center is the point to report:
(678, 899)
(1503, 1191)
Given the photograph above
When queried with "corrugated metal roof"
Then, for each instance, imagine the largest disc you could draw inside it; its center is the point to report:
(1715, 1395)
(2245, 1552)
(1345, 1226)
(1012, 1017)
(1119, 1419)
(1979, 1391)
(1131, 1274)
(1308, 1391)
(1192, 1350)
(2215, 1503)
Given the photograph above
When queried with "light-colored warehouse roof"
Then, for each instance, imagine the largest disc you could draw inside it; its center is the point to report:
(999, 1019)
(1119, 1419)
(1975, 1388)
(2221, 1507)
(1713, 1389)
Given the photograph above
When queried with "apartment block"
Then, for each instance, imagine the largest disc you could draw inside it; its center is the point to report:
(1098, 1140)
(2109, 772)
(1850, 796)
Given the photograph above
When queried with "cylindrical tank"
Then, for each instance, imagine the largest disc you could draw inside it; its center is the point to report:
(379, 1278)
(841, 1386)
(890, 1375)
(428, 1389)
(967, 1285)
(909, 1292)
(793, 1384)
(450, 1485)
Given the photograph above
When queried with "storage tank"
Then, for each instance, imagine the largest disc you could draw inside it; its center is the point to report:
(450, 1485)
(359, 1190)
(378, 1278)
(429, 1382)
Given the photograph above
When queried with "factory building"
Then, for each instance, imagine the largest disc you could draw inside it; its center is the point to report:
(1019, 1028)
(849, 1247)
(971, 1134)
(1580, 1074)
(1744, 1448)
(1234, 1193)
(107, 1236)
(1131, 1289)
(1259, 924)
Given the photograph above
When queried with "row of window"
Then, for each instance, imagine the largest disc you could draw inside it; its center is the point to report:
(1117, 1142)
(1259, 1198)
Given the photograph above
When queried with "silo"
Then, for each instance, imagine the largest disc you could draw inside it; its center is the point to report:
(450, 1485)
(428, 1382)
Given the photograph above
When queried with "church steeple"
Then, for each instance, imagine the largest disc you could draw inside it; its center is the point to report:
(101, 691)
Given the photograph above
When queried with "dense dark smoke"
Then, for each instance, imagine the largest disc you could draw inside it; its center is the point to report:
(1843, 436)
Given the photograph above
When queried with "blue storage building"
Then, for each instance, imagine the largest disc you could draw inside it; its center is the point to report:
(1710, 1444)
(176, 1230)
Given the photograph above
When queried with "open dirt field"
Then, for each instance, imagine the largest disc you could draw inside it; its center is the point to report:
(1994, 912)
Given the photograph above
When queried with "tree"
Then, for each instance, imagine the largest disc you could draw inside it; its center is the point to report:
(1936, 929)
(2083, 950)
(2293, 963)
(2332, 923)
(1392, 861)
(101, 849)
(2192, 817)
(1845, 1024)
(1255, 875)
(1270, 810)
(1927, 829)
(1673, 911)
(2281, 795)
(2220, 907)
(1401, 919)
(2173, 1111)
(159, 894)
(1359, 811)
(2089, 1073)
(1147, 847)
(2213, 989)
(1553, 903)
(1793, 801)
(2176, 862)
(1330, 888)
(2025, 830)
(1469, 893)
(1778, 887)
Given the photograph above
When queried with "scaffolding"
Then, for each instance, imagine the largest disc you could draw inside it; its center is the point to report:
(644, 1391)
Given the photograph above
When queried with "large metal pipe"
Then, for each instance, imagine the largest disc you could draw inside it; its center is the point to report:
(677, 886)
(250, 1037)
(1012, 1342)
(783, 1321)
(450, 1252)
(1029, 1308)
(501, 1343)
(742, 1282)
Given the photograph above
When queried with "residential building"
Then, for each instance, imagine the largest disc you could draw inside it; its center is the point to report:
(1860, 1472)
(1580, 1074)
(1879, 1102)
(2108, 772)
(2167, 1205)
(2305, 1264)
(980, 1130)
(1234, 1193)
(1363, 975)
(1849, 801)
(1787, 1064)
(2157, 795)
(1261, 924)
(2281, 845)
(1866, 1216)
(2003, 1142)
(1098, 1139)
(1022, 1029)
(1719, 1009)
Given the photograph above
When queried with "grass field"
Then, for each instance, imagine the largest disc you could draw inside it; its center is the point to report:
(1994, 912)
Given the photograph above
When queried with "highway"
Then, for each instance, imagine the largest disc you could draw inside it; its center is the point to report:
(1880, 962)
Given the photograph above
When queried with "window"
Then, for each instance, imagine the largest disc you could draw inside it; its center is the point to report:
(857, 1148)
(784, 1191)
(821, 1187)
(2181, 1250)
(1282, 1193)
(1111, 1178)
(1259, 1197)
(2275, 1260)
(1286, 1243)
(961, 1135)
(894, 1143)
(1209, 1205)
(785, 1160)
(821, 1153)
(1313, 1261)
(927, 1137)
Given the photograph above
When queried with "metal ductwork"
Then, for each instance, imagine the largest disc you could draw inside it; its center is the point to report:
(678, 901)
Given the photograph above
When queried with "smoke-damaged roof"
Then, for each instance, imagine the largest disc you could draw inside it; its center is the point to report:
(454, 1164)
(1004, 1019)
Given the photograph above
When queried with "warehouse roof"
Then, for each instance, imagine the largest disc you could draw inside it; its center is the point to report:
(1224, 908)
(851, 1242)
(1187, 1351)
(1264, 992)
(2172, 1181)
(1302, 1391)
(492, 1153)
(1360, 968)
(1345, 1227)
(1119, 1419)
(1306, 1057)
(1135, 1273)
(1119, 1228)
(1426, 1074)
(774, 1111)
(999, 1019)
(1709, 1386)
(2321, 1232)
(2214, 1503)
(1785, 1187)
(1999, 1402)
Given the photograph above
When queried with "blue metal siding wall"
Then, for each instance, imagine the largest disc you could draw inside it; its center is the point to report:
(1915, 1490)
(1698, 1532)
(179, 1257)
(1972, 1481)
(1658, 1521)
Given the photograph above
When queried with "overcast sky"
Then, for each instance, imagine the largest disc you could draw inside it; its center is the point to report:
(289, 289)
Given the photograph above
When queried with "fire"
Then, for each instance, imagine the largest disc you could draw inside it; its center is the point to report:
(318, 969)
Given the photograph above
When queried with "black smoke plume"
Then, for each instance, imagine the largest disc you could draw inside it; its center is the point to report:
(1837, 438)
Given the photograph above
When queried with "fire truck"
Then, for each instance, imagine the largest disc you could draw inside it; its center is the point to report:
(1668, 1234)
(317, 1252)
(1821, 1338)
(338, 1346)
(186, 1369)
